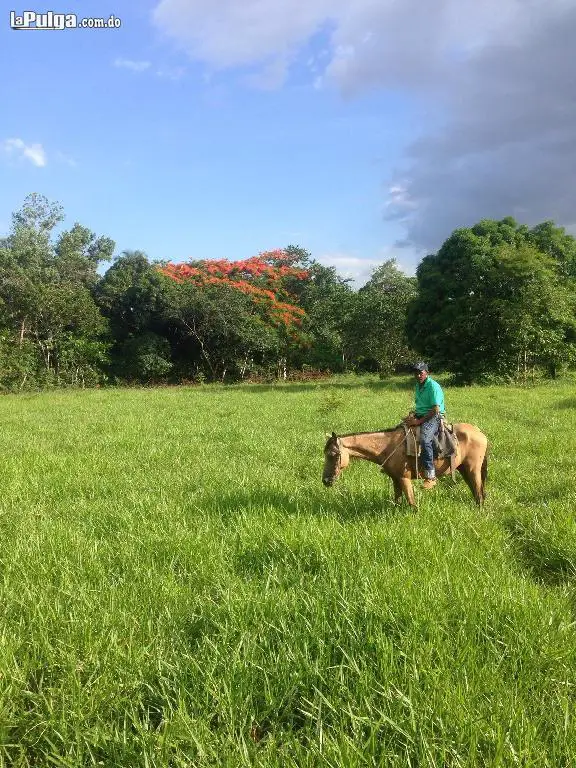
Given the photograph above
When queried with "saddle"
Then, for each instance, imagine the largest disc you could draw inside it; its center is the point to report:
(444, 444)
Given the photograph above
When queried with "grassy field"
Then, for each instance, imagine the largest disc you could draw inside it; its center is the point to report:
(179, 589)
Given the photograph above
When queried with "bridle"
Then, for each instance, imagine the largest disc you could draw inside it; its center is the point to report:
(338, 457)
(333, 452)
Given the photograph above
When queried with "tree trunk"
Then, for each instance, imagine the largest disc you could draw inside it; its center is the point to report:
(525, 364)
(194, 332)
(244, 366)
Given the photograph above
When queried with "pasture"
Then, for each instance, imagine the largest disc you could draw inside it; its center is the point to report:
(177, 588)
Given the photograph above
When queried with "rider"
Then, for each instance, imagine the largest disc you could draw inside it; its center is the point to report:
(429, 408)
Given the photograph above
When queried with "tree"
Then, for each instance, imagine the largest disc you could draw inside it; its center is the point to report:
(79, 253)
(136, 299)
(45, 292)
(261, 277)
(554, 241)
(26, 260)
(217, 332)
(490, 305)
(37, 215)
(376, 328)
(239, 311)
(132, 295)
(326, 299)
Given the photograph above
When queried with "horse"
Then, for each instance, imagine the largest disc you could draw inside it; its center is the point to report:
(388, 449)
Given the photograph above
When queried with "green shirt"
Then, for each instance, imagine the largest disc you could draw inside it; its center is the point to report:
(427, 396)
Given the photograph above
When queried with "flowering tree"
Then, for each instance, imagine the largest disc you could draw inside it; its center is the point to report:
(261, 277)
(267, 321)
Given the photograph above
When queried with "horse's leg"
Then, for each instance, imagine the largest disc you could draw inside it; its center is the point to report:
(408, 489)
(484, 476)
(465, 472)
(397, 490)
(473, 477)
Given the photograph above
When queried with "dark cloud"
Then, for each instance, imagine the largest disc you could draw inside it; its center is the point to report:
(508, 146)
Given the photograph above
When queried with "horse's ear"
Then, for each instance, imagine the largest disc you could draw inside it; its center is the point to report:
(334, 435)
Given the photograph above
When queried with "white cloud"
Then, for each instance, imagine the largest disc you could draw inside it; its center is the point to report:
(360, 269)
(241, 32)
(33, 152)
(170, 73)
(135, 66)
(399, 199)
(347, 266)
(270, 77)
(66, 159)
(164, 72)
(370, 41)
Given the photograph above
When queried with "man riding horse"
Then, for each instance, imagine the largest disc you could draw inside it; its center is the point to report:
(428, 411)
(388, 448)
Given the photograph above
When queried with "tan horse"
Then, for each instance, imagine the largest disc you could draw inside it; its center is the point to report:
(388, 449)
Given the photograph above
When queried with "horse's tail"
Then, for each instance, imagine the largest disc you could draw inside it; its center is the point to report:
(484, 474)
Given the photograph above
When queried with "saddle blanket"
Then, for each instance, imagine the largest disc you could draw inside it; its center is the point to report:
(444, 444)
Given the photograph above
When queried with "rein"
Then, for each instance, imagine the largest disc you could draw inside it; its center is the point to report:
(400, 444)
(339, 464)
(404, 439)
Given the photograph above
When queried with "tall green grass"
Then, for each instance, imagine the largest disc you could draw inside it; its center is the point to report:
(177, 588)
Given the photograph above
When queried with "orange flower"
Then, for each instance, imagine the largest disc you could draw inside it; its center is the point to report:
(259, 277)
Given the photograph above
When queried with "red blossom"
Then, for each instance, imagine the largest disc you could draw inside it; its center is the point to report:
(259, 277)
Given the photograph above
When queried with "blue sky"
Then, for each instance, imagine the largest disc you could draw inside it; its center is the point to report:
(182, 163)
(207, 130)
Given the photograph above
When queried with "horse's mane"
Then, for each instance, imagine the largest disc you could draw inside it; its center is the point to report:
(355, 434)
(372, 431)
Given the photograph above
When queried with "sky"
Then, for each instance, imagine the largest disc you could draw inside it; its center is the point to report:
(361, 130)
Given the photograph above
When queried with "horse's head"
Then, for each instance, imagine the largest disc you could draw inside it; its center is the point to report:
(336, 458)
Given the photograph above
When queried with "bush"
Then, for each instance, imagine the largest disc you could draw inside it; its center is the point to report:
(144, 358)
(20, 365)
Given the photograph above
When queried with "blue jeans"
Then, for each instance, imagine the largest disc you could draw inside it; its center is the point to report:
(427, 432)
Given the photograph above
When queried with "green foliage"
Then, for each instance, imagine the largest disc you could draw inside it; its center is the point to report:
(46, 300)
(490, 305)
(82, 360)
(376, 324)
(144, 358)
(217, 329)
(79, 253)
(135, 300)
(37, 215)
(20, 364)
(554, 241)
(132, 295)
(326, 299)
(496, 303)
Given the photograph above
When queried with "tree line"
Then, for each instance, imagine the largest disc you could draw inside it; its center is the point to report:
(496, 302)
